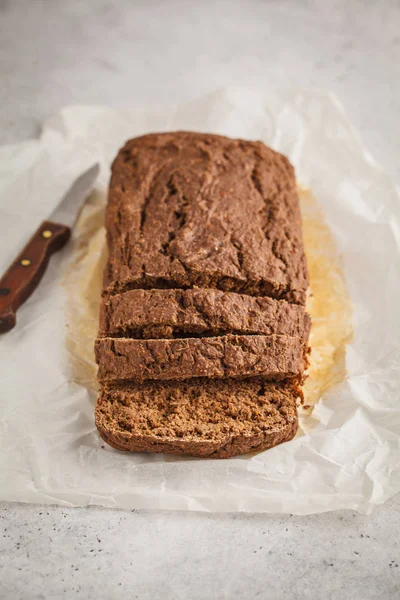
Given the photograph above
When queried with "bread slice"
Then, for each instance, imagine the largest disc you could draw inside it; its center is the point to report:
(273, 357)
(192, 209)
(178, 313)
(213, 419)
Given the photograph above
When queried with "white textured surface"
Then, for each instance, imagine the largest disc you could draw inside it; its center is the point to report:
(56, 53)
(132, 52)
(78, 553)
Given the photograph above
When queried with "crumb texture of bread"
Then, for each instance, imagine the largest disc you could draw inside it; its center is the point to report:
(176, 313)
(274, 357)
(191, 209)
(221, 419)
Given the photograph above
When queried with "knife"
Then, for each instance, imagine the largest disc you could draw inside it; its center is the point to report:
(25, 273)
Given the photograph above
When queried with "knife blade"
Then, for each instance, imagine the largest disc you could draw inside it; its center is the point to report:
(68, 209)
(26, 271)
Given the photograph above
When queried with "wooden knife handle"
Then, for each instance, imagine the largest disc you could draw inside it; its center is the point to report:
(25, 273)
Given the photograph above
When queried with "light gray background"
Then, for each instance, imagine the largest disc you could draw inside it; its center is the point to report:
(58, 52)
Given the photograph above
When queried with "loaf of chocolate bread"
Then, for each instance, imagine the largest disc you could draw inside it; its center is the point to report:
(203, 333)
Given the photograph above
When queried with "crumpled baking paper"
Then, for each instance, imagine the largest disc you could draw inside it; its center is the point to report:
(347, 454)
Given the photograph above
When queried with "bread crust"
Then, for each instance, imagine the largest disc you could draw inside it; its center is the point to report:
(234, 446)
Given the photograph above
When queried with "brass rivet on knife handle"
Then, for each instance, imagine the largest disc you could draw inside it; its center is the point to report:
(17, 284)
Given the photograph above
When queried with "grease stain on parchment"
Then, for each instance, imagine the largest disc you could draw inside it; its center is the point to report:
(329, 305)
(328, 302)
(83, 281)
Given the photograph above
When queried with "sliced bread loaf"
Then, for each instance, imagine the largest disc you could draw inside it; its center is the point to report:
(214, 419)
(210, 372)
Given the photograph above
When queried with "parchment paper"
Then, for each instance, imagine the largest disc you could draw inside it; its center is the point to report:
(347, 453)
